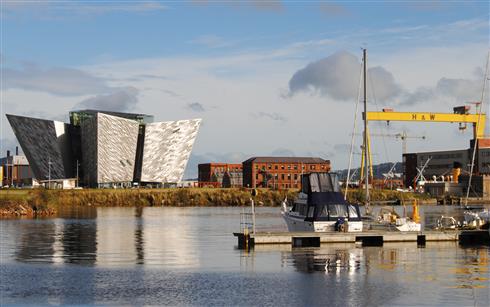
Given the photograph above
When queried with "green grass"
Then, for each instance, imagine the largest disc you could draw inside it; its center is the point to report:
(183, 197)
(15, 194)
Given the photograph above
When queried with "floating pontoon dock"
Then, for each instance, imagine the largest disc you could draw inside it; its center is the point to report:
(365, 238)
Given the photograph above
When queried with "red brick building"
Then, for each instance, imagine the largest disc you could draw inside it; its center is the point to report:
(15, 171)
(280, 172)
(224, 175)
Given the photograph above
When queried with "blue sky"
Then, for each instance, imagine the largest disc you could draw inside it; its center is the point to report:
(275, 77)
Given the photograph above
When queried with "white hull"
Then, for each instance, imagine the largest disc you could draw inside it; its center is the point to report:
(409, 226)
(299, 224)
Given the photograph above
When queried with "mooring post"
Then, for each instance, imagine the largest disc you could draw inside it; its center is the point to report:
(254, 193)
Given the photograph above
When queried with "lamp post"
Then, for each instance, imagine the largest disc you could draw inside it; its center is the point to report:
(49, 173)
(77, 174)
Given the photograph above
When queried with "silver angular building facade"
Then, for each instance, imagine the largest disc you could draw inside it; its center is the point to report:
(166, 150)
(107, 149)
(46, 144)
(109, 143)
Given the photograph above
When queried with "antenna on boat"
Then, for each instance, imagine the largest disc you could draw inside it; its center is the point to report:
(349, 176)
(475, 144)
(366, 158)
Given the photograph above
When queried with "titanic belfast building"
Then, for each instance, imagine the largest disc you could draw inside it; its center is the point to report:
(106, 149)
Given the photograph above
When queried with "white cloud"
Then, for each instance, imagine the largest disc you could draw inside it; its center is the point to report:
(57, 81)
(121, 100)
(337, 76)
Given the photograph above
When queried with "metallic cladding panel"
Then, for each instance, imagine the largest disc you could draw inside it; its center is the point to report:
(116, 148)
(166, 150)
(89, 151)
(44, 142)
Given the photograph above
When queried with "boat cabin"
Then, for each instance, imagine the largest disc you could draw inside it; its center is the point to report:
(322, 200)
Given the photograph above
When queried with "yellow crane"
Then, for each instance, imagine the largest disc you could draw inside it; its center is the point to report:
(461, 115)
(403, 136)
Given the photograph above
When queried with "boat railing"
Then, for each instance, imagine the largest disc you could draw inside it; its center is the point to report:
(247, 221)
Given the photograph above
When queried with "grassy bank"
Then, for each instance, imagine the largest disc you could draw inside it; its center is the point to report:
(45, 202)
(358, 196)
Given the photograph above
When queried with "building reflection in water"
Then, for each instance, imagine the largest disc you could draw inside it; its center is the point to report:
(170, 238)
(149, 236)
(138, 236)
(58, 241)
(37, 241)
(112, 237)
(79, 241)
(116, 236)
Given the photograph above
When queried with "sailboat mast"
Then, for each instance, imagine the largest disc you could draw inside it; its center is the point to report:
(366, 160)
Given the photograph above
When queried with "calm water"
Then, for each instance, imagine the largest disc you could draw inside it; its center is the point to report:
(188, 256)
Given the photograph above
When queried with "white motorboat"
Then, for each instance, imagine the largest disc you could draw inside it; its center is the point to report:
(320, 207)
(477, 219)
(388, 218)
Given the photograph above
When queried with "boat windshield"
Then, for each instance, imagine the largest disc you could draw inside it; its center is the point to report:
(352, 211)
(301, 209)
(336, 211)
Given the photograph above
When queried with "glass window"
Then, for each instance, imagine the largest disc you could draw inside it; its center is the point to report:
(275, 167)
(337, 210)
(311, 210)
(289, 176)
(302, 209)
(352, 211)
(295, 167)
(332, 211)
(323, 211)
(282, 176)
(282, 166)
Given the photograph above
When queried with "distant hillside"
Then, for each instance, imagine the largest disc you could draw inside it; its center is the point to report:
(378, 170)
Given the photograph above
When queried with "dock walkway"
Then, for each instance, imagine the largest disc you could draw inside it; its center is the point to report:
(298, 239)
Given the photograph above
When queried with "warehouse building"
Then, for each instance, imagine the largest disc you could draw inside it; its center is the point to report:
(220, 175)
(15, 170)
(439, 164)
(280, 172)
(106, 149)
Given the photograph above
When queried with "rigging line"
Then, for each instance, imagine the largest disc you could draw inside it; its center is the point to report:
(475, 145)
(383, 130)
(354, 130)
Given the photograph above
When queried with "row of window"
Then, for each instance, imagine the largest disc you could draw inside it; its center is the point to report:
(289, 166)
(283, 176)
(226, 169)
(442, 156)
(284, 186)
